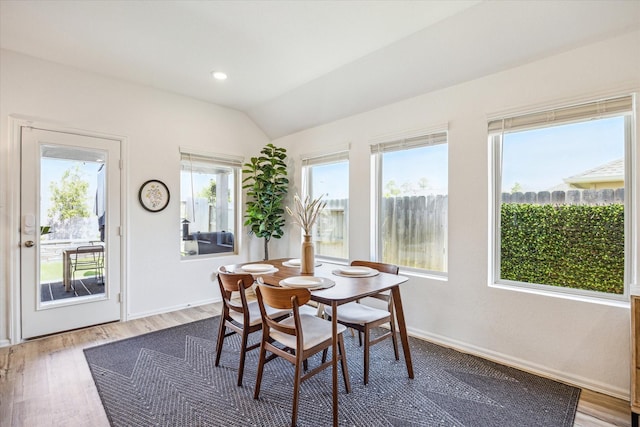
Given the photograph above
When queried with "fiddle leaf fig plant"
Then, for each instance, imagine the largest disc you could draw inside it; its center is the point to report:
(266, 183)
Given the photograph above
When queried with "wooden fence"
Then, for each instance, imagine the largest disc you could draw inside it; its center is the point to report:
(414, 228)
(569, 197)
(413, 231)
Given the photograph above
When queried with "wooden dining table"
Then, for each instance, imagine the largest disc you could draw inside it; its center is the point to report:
(345, 290)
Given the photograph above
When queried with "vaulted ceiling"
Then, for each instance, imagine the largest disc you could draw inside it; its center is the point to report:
(292, 65)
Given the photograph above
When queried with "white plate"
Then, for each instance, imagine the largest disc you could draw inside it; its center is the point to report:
(257, 268)
(355, 271)
(307, 282)
(295, 262)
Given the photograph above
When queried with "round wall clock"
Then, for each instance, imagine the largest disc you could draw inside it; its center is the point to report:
(154, 195)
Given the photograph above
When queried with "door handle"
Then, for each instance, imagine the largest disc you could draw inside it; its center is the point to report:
(29, 243)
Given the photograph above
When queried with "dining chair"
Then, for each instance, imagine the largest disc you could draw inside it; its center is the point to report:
(239, 315)
(364, 318)
(100, 262)
(302, 336)
(87, 258)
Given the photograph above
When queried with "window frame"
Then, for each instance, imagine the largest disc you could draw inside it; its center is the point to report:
(546, 118)
(223, 160)
(423, 138)
(333, 156)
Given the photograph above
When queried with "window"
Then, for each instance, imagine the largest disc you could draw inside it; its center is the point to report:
(208, 203)
(328, 175)
(411, 187)
(562, 198)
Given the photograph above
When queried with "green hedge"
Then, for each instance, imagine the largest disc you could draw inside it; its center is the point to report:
(572, 246)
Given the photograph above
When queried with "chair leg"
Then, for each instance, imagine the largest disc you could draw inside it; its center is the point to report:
(343, 364)
(392, 325)
(296, 392)
(394, 338)
(366, 355)
(261, 359)
(243, 353)
(221, 330)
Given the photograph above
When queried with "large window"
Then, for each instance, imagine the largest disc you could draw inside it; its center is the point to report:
(412, 202)
(328, 176)
(562, 198)
(207, 203)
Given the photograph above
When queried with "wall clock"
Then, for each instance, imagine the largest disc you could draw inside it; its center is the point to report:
(154, 195)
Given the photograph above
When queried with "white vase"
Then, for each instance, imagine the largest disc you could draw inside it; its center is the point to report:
(307, 256)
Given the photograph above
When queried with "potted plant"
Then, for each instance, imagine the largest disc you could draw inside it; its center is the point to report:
(266, 183)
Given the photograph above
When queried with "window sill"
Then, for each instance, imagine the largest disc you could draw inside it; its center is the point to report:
(621, 301)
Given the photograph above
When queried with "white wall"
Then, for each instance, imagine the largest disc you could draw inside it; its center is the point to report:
(583, 342)
(155, 124)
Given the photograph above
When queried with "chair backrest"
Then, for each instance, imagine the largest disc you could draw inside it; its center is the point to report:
(385, 268)
(282, 299)
(380, 266)
(234, 282)
(85, 256)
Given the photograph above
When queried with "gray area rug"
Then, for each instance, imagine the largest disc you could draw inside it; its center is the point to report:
(167, 378)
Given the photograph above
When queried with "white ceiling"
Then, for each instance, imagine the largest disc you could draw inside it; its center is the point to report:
(298, 64)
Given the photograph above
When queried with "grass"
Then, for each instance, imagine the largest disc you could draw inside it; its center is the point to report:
(52, 272)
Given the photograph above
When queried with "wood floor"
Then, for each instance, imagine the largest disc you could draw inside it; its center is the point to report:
(46, 382)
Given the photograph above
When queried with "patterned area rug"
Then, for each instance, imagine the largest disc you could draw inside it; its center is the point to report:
(167, 378)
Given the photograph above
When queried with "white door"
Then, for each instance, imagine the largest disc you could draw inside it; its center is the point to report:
(70, 222)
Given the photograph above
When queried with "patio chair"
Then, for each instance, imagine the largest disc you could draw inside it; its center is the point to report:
(87, 258)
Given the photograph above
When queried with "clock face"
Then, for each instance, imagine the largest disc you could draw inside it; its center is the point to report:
(154, 195)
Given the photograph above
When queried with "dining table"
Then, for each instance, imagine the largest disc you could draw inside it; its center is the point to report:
(346, 289)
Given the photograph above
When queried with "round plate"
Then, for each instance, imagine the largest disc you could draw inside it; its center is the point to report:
(355, 272)
(295, 262)
(307, 282)
(257, 268)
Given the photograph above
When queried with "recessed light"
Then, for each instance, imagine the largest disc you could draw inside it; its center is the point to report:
(219, 75)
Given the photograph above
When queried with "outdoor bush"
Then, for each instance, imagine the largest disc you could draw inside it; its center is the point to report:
(575, 246)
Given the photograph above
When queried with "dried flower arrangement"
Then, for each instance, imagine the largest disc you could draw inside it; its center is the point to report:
(306, 212)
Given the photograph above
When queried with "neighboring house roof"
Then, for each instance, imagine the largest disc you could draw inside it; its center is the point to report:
(608, 172)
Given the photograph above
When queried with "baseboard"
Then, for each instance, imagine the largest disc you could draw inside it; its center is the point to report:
(5, 343)
(173, 308)
(522, 364)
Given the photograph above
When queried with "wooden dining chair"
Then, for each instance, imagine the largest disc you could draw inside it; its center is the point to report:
(302, 336)
(364, 318)
(239, 315)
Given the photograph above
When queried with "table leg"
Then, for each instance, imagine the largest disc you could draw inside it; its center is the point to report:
(66, 279)
(397, 304)
(334, 350)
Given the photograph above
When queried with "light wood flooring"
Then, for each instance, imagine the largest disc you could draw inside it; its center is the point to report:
(46, 382)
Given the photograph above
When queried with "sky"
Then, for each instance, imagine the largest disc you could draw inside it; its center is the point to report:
(540, 159)
(332, 180)
(52, 170)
